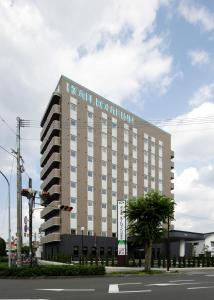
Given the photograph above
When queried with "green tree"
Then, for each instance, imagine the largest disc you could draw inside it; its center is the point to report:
(146, 217)
(2, 247)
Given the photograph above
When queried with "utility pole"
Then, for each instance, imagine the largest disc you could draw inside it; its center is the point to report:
(19, 197)
(30, 203)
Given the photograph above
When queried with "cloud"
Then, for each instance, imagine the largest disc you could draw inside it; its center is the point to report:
(194, 198)
(203, 94)
(199, 57)
(196, 14)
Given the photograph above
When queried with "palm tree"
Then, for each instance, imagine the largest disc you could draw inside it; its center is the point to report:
(146, 216)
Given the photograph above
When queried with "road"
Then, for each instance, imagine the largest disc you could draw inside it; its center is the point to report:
(195, 285)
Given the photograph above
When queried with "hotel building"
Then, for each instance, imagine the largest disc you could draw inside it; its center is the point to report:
(94, 153)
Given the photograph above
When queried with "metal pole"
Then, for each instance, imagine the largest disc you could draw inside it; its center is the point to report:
(19, 198)
(9, 222)
(30, 202)
(168, 246)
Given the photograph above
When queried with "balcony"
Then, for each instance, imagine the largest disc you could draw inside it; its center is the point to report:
(172, 186)
(55, 173)
(53, 115)
(172, 175)
(52, 147)
(53, 130)
(172, 165)
(53, 162)
(172, 154)
(55, 221)
(54, 205)
(52, 237)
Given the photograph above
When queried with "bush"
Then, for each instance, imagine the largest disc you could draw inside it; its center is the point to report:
(74, 270)
(3, 259)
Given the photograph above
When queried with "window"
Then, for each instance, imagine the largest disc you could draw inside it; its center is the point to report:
(90, 144)
(109, 251)
(90, 188)
(134, 186)
(125, 196)
(114, 125)
(104, 191)
(90, 129)
(73, 107)
(145, 189)
(104, 219)
(90, 218)
(152, 156)
(126, 144)
(73, 231)
(114, 194)
(73, 215)
(104, 135)
(73, 153)
(104, 177)
(114, 153)
(102, 252)
(145, 177)
(160, 181)
(114, 140)
(153, 168)
(134, 173)
(73, 122)
(104, 122)
(126, 132)
(73, 169)
(134, 160)
(73, 184)
(90, 173)
(90, 203)
(126, 157)
(103, 233)
(134, 135)
(75, 250)
(90, 159)
(146, 165)
(145, 141)
(114, 207)
(73, 200)
(145, 153)
(114, 167)
(114, 234)
(134, 148)
(104, 163)
(153, 144)
(114, 221)
(125, 183)
(125, 170)
(104, 149)
(104, 205)
(85, 250)
(73, 137)
(90, 115)
(152, 179)
(114, 180)
(90, 232)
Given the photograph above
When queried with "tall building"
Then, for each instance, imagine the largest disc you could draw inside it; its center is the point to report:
(95, 153)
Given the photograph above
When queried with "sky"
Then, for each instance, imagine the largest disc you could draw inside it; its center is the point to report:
(154, 58)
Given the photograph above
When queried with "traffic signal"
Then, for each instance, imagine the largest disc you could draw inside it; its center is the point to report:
(65, 207)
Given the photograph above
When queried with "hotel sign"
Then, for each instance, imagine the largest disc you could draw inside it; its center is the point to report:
(121, 227)
(100, 103)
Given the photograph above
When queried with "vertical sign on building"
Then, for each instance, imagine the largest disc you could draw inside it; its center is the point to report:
(121, 227)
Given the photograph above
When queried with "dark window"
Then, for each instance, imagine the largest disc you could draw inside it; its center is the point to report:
(85, 250)
(102, 251)
(73, 231)
(110, 251)
(75, 250)
(113, 234)
(93, 251)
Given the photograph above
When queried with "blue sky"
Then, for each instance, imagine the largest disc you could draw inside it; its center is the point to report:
(154, 58)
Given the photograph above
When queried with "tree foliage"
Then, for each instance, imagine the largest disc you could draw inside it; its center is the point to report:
(146, 216)
(2, 247)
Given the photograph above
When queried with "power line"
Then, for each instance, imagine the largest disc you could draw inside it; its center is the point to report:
(11, 129)
(7, 151)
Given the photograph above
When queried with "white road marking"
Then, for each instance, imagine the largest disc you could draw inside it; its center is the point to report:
(210, 275)
(171, 284)
(67, 290)
(114, 289)
(181, 280)
(201, 287)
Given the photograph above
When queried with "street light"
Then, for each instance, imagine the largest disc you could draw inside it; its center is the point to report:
(82, 229)
(9, 222)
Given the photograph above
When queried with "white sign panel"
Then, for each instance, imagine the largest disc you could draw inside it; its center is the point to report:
(121, 227)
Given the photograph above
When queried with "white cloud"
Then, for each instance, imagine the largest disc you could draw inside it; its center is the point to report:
(194, 198)
(203, 94)
(199, 57)
(196, 14)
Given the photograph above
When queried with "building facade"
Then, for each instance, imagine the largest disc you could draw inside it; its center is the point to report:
(95, 153)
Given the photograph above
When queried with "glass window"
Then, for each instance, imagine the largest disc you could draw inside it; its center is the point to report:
(73, 122)
(104, 191)
(126, 132)
(73, 184)
(104, 163)
(145, 177)
(90, 173)
(104, 177)
(152, 179)
(104, 135)
(114, 125)
(114, 207)
(73, 153)
(90, 218)
(73, 107)
(126, 196)
(145, 141)
(153, 156)
(102, 252)
(73, 137)
(114, 153)
(146, 165)
(104, 149)
(90, 129)
(75, 250)
(126, 157)
(153, 144)
(134, 173)
(134, 148)
(114, 167)
(73, 215)
(125, 183)
(90, 188)
(90, 144)
(114, 180)
(103, 233)
(104, 122)
(90, 115)
(125, 170)
(73, 200)
(134, 135)
(73, 169)
(90, 203)
(145, 153)
(126, 144)
(90, 232)
(104, 219)
(114, 194)
(104, 205)
(114, 139)
(114, 221)
(90, 159)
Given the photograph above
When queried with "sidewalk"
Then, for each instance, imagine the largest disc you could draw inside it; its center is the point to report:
(138, 269)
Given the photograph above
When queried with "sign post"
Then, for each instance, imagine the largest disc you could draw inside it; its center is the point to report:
(121, 233)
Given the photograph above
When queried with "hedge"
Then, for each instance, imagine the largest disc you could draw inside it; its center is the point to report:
(74, 270)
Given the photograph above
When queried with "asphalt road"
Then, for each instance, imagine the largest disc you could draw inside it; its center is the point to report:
(191, 285)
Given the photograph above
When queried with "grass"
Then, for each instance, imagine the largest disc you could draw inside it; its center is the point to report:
(134, 272)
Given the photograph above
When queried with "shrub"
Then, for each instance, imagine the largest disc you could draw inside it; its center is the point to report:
(74, 270)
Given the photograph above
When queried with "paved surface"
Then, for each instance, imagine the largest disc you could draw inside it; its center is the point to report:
(197, 285)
